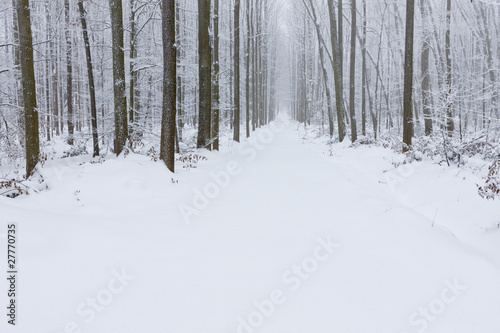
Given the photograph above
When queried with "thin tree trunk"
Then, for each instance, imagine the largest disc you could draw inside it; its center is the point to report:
(216, 93)
(450, 126)
(426, 79)
(363, 73)
(408, 77)
(236, 136)
(352, 90)
(90, 72)
(323, 66)
(247, 79)
(69, 75)
(132, 71)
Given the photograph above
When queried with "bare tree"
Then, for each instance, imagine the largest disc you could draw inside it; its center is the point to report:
(120, 98)
(337, 71)
(28, 85)
(426, 78)
(69, 75)
(215, 88)
(205, 75)
(408, 77)
(237, 71)
(168, 126)
(352, 82)
(90, 73)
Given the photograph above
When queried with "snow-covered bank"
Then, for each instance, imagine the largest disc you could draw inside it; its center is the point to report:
(288, 237)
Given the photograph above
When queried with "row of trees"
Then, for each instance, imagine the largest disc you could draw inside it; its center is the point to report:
(120, 73)
(452, 45)
(174, 64)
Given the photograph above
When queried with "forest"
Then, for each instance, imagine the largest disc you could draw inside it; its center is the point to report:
(250, 165)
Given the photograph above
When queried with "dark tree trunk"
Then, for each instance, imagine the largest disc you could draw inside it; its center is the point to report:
(205, 75)
(90, 73)
(168, 127)
(337, 70)
(363, 74)
(341, 37)
(450, 125)
(69, 75)
(180, 89)
(120, 98)
(28, 85)
(408, 77)
(352, 79)
(426, 79)
(216, 94)
(247, 79)
(237, 71)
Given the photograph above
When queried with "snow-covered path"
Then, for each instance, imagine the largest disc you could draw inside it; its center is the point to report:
(285, 239)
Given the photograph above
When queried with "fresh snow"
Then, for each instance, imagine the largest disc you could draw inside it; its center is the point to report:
(281, 234)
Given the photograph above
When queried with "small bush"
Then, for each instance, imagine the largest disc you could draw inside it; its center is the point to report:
(491, 187)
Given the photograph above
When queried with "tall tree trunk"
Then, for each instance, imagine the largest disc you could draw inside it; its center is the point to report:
(48, 71)
(321, 45)
(426, 78)
(168, 128)
(132, 71)
(216, 93)
(90, 73)
(352, 79)
(341, 37)
(180, 89)
(363, 73)
(205, 74)
(120, 98)
(337, 71)
(236, 136)
(69, 75)
(450, 126)
(28, 85)
(408, 77)
(247, 78)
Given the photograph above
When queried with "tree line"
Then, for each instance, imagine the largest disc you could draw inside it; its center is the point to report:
(407, 68)
(114, 72)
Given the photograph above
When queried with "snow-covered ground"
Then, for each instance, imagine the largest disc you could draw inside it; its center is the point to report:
(277, 234)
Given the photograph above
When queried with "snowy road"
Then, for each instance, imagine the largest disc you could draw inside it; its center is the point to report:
(282, 238)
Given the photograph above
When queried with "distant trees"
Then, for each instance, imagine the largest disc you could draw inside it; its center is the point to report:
(291, 56)
(28, 86)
